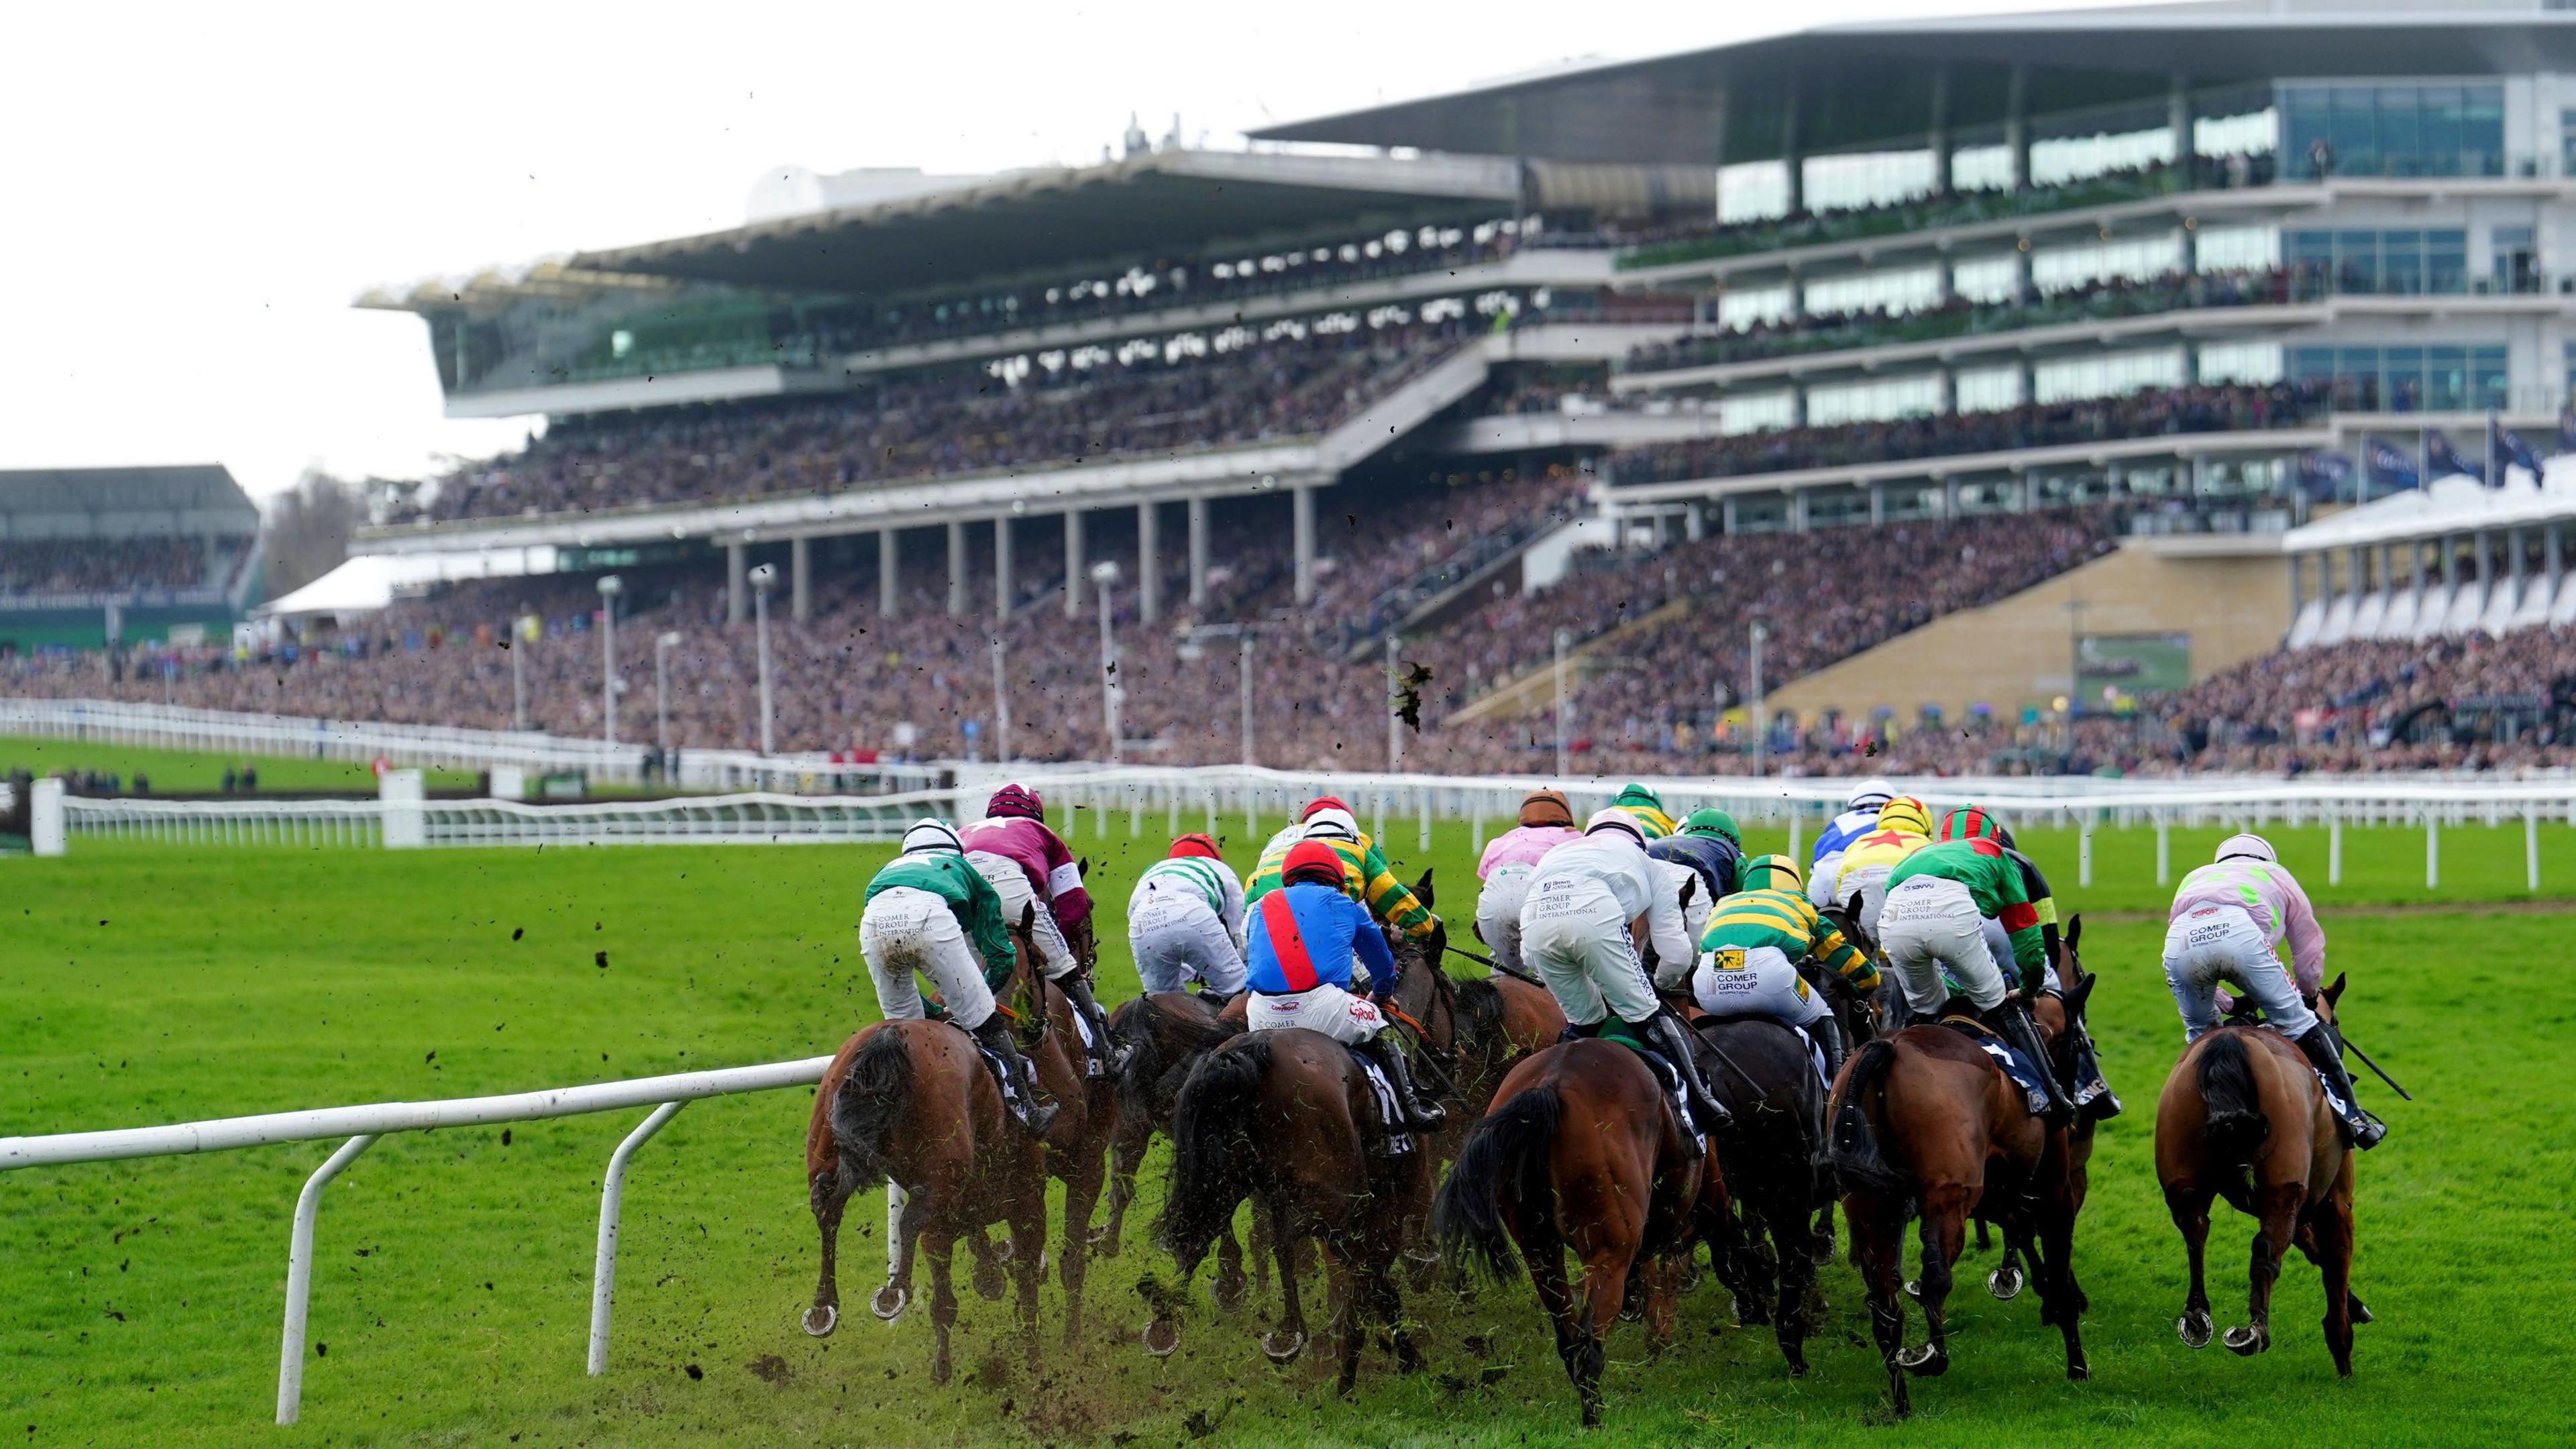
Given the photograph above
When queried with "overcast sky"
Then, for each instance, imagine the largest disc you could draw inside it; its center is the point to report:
(198, 192)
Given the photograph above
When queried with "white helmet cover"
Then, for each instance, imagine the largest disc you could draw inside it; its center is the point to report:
(1615, 818)
(1331, 824)
(2247, 847)
(931, 834)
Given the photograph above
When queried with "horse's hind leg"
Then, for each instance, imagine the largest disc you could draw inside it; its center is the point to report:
(828, 1198)
(2053, 1259)
(2279, 1223)
(1797, 1281)
(1945, 1232)
(2190, 1209)
(1606, 1267)
(2332, 1221)
(1126, 1156)
(1284, 1343)
(2307, 1242)
(1231, 1287)
(1342, 1292)
(1081, 1193)
(1544, 1252)
(943, 1303)
(1878, 1250)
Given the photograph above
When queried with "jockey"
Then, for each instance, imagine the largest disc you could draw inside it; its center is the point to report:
(1546, 822)
(1938, 902)
(1646, 808)
(1749, 955)
(2228, 919)
(1972, 822)
(1304, 937)
(1368, 879)
(1904, 827)
(1587, 902)
(1707, 859)
(1185, 921)
(922, 910)
(1027, 863)
(1859, 817)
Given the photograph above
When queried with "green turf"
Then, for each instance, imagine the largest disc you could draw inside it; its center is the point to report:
(143, 984)
(183, 771)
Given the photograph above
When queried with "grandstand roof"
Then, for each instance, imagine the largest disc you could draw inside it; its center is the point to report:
(1161, 204)
(1857, 85)
(205, 491)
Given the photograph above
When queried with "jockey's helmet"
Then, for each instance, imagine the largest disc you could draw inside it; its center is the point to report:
(1312, 862)
(1974, 822)
(1709, 820)
(1617, 819)
(1546, 807)
(1772, 872)
(931, 835)
(2248, 846)
(1331, 824)
(1196, 843)
(1870, 794)
(1907, 814)
(1015, 801)
(1322, 803)
(1634, 793)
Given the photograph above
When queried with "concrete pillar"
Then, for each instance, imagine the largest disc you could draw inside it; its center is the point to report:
(1797, 295)
(2360, 574)
(2298, 585)
(2017, 125)
(1073, 563)
(1945, 273)
(1797, 404)
(1937, 141)
(800, 579)
(1877, 504)
(1694, 521)
(2553, 548)
(1004, 586)
(1301, 501)
(2450, 546)
(956, 568)
(1949, 389)
(1726, 513)
(889, 591)
(1949, 499)
(2415, 553)
(2178, 119)
(1198, 553)
(2515, 546)
(737, 584)
(1149, 562)
(1798, 510)
(1793, 148)
(2023, 284)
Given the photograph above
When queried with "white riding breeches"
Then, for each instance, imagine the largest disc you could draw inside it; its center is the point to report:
(1931, 925)
(1576, 937)
(905, 930)
(1177, 939)
(2217, 943)
(1754, 981)
(1350, 1020)
(1055, 957)
(1871, 882)
(1498, 913)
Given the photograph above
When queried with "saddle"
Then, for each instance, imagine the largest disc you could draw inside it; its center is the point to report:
(992, 1063)
(1667, 1076)
(2024, 1073)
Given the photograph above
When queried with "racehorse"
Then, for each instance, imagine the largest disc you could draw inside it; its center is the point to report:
(2244, 1117)
(1287, 1118)
(1924, 1122)
(1165, 1034)
(1583, 1149)
(911, 1103)
(1759, 1070)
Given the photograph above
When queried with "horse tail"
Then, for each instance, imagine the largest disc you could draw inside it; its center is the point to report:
(2236, 1124)
(866, 1107)
(1511, 1143)
(1160, 1044)
(1212, 1158)
(1852, 1149)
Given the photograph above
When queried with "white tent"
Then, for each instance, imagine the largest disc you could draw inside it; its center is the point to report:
(367, 583)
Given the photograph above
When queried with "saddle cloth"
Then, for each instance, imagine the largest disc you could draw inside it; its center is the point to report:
(1397, 1141)
(2016, 1066)
(992, 1063)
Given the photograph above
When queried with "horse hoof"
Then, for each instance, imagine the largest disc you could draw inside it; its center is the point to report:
(1161, 1339)
(821, 1319)
(1914, 1288)
(2078, 1372)
(2005, 1282)
(1926, 1362)
(2360, 1314)
(2248, 1341)
(888, 1304)
(2193, 1330)
(1282, 1351)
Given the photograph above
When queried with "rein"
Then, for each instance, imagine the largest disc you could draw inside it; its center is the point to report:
(1490, 964)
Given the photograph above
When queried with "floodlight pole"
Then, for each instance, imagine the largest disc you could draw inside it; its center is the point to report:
(1246, 670)
(761, 580)
(1761, 710)
(1104, 574)
(1394, 721)
(1564, 770)
(519, 671)
(1001, 704)
(610, 585)
(662, 689)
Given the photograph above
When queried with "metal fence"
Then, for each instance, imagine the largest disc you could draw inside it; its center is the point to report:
(361, 1126)
(399, 823)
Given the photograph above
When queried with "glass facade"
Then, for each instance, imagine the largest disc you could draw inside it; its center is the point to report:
(2392, 130)
(2403, 262)
(2406, 379)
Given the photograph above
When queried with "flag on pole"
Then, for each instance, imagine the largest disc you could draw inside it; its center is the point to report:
(2391, 468)
(2510, 451)
(2443, 461)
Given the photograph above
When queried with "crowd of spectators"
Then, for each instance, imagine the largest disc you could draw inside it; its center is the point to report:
(917, 426)
(2153, 413)
(39, 566)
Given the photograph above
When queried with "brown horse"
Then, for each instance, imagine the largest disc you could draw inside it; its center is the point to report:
(1288, 1118)
(2244, 1118)
(1164, 1034)
(1582, 1149)
(911, 1104)
(1924, 1122)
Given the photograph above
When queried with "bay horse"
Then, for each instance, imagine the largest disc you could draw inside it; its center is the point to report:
(1925, 1124)
(912, 1104)
(1582, 1149)
(1759, 1070)
(2243, 1117)
(1288, 1118)
(1164, 1033)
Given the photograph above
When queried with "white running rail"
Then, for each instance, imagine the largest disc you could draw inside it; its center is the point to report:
(747, 819)
(361, 1126)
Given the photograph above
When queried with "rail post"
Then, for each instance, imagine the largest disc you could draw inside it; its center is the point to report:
(2531, 848)
(2432, 849)
(612, 1190)
(2334, 847)
(2084, 850)
(299, 1276)
(2164, 849)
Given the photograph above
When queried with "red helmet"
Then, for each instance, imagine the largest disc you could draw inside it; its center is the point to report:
(1016, 800)
(1322, 802)
(1312, 860)
(1196, 843)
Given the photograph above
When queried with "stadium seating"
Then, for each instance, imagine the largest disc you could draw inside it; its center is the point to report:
(38, 567)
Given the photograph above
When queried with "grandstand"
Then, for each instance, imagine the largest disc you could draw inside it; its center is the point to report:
(1872, 334)
(93, 556)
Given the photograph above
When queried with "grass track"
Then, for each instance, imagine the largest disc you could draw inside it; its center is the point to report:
(140, 985)
(194, 770)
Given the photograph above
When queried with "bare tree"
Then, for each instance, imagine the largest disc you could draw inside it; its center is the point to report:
(307, 530)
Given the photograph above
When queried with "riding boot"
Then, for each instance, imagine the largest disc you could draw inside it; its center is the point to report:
(2011, 1017)
(1827, 1034)
(1895, 1012)
(995, 1034)
(1421, 1113)
(1666, 1031)
(2102, 1106)
(2320, 1048)
(1108, 1055)
(1584, 1032)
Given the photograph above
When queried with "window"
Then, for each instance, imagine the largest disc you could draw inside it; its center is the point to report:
(1910, 290)
(2392, 130)
(1756, 414)
(2256, 363)
(1988, 279)
(1989, 389)
(2237, 248)
(1753, 306)
(1877, 400)
(2405, 379)
(2405, 263)
(2105, 375)
(2061, 269)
